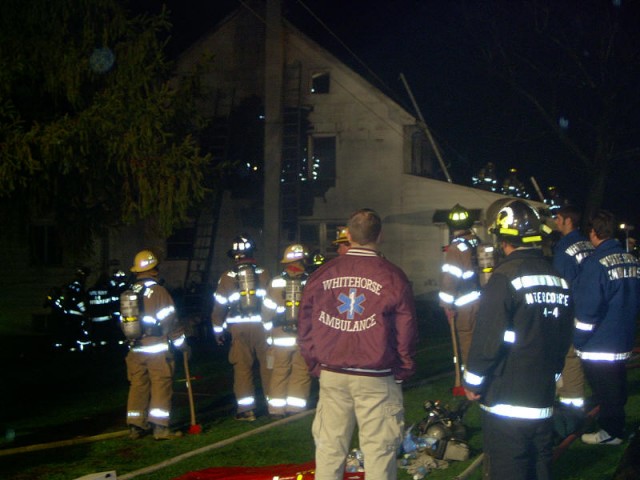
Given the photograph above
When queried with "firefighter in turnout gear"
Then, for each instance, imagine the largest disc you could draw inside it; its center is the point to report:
(72, 326)
(459, 282)
(523, 331)
(237, 310)
(104, 309)
(150, 323)
(290, 379)
(341, 243)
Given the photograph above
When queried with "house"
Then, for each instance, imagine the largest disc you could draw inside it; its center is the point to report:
(311, 141)
(338, 142)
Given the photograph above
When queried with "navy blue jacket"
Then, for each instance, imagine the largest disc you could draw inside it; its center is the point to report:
(522, 334)
(606, 294)
(569, 253)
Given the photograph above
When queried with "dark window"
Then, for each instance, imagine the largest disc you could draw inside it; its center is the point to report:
(323, 165)
(320, 82)
(180, 244)
(45, 247)
(422, 156)
(309, 234)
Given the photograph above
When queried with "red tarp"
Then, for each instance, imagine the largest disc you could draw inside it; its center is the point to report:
(303, 471)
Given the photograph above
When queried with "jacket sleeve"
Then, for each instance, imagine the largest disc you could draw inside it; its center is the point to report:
(406, 335)
(305, 326)
(589, 300)
(450, 277)
(221, 303)
(487, 345)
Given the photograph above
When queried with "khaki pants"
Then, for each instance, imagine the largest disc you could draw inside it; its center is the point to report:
(248, 345)
(571, 386)
(376, 404)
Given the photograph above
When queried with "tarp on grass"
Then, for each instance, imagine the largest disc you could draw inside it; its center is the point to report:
(304, 471)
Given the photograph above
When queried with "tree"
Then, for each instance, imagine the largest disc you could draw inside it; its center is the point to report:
(574, 68)
(94, 129)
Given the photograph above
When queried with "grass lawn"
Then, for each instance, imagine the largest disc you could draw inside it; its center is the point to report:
(52, 398)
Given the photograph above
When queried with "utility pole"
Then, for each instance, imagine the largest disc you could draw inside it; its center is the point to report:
(426, 130)
(273, 84)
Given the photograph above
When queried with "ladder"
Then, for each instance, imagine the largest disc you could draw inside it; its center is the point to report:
(292, 172)
(198, 291)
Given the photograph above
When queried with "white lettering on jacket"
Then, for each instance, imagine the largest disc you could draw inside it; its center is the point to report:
(347, 325)
(357, 282)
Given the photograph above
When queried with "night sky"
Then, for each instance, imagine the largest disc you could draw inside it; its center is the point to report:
(474, 118)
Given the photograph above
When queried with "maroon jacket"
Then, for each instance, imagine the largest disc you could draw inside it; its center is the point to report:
(358, 316)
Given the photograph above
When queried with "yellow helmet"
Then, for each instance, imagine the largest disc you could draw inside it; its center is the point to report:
(459, 218)
(341, 236)
(294, 253)
(145, 260)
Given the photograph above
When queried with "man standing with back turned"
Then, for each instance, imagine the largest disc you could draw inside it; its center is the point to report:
(357, 331)
(568, 255)
(607, 292)
(523, 331)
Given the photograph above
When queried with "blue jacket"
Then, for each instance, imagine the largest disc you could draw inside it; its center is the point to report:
(607, 298)
(569, 253)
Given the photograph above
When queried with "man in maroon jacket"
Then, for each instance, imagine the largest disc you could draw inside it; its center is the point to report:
(357, 331)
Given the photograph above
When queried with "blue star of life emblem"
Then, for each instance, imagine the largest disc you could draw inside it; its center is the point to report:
(351, 303)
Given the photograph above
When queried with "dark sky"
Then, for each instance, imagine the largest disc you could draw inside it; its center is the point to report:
(473, 117)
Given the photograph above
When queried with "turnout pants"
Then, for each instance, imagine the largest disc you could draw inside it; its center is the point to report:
(290, 381)
(375, 403)
(248, 345)
(151, 387)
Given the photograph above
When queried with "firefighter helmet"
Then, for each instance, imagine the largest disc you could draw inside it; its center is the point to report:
(459, 218)
(241, 247)
(519, 222)
(318, 259)
(341, 236)
(294, 253)
(144, 261)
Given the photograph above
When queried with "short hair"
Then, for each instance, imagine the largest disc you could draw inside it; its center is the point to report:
(364, 226)
(603, 223)
(571, 212)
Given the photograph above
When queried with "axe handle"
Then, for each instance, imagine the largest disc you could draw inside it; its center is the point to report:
(188, 375)
(451, 317)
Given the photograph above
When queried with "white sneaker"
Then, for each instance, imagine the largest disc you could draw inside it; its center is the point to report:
(600, 437)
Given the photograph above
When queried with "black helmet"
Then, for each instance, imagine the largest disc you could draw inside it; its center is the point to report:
(459, 218)
(241, 247)
(517, 221)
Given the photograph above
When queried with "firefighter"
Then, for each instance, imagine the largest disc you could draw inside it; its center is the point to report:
(150, 323)
(486, 179)
(290, 379)
(459, 282)
(69, 309)
(99, 311)
(341, 243)
(512, 186)
(237, 310)
(568, 254)
(523, 331)
(315, 260)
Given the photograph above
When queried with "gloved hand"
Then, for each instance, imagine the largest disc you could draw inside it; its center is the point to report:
(185, 348)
